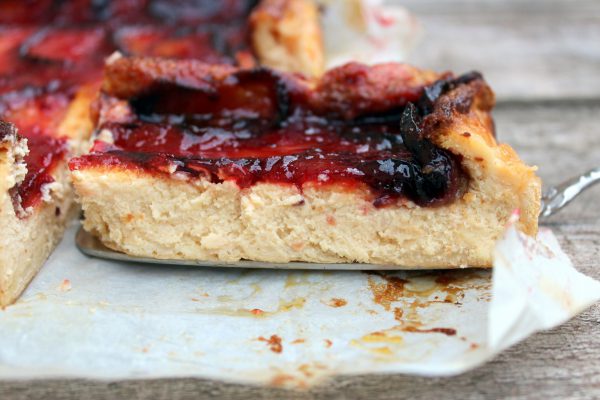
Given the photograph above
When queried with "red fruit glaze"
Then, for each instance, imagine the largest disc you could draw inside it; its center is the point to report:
(44, 153)
(260, 126)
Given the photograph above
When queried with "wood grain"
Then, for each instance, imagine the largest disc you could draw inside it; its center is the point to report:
(525, 49)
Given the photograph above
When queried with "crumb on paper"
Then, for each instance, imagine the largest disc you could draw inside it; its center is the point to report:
(285, 380)
(65, 285)
(398, 313)
(274, 343)
(337, 302)
(328, 343)
(305, 369)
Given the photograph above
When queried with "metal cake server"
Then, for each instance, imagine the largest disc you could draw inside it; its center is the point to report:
(554, 199)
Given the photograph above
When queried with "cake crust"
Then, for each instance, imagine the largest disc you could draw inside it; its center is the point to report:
(27, 237)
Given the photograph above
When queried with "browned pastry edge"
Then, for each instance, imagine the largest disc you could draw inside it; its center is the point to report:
(461, 122)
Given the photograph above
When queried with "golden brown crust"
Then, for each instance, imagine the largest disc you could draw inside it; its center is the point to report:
(461, 122)
(286, 35)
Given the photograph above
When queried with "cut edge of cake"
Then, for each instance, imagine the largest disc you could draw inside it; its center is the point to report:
(28, 237)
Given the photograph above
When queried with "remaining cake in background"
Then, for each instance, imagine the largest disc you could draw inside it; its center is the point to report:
(385, 164)
(51, 60)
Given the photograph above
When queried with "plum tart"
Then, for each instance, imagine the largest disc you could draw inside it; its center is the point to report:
(384, 164)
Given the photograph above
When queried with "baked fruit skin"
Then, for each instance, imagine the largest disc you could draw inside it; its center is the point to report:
(163, 210)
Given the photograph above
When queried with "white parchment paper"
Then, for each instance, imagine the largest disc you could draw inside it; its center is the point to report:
(85, 317)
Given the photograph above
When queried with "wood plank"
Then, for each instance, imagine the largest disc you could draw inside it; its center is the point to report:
(526, 50)
(562, 363)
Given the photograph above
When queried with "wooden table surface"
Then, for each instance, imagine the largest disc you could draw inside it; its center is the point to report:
(543, 60)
